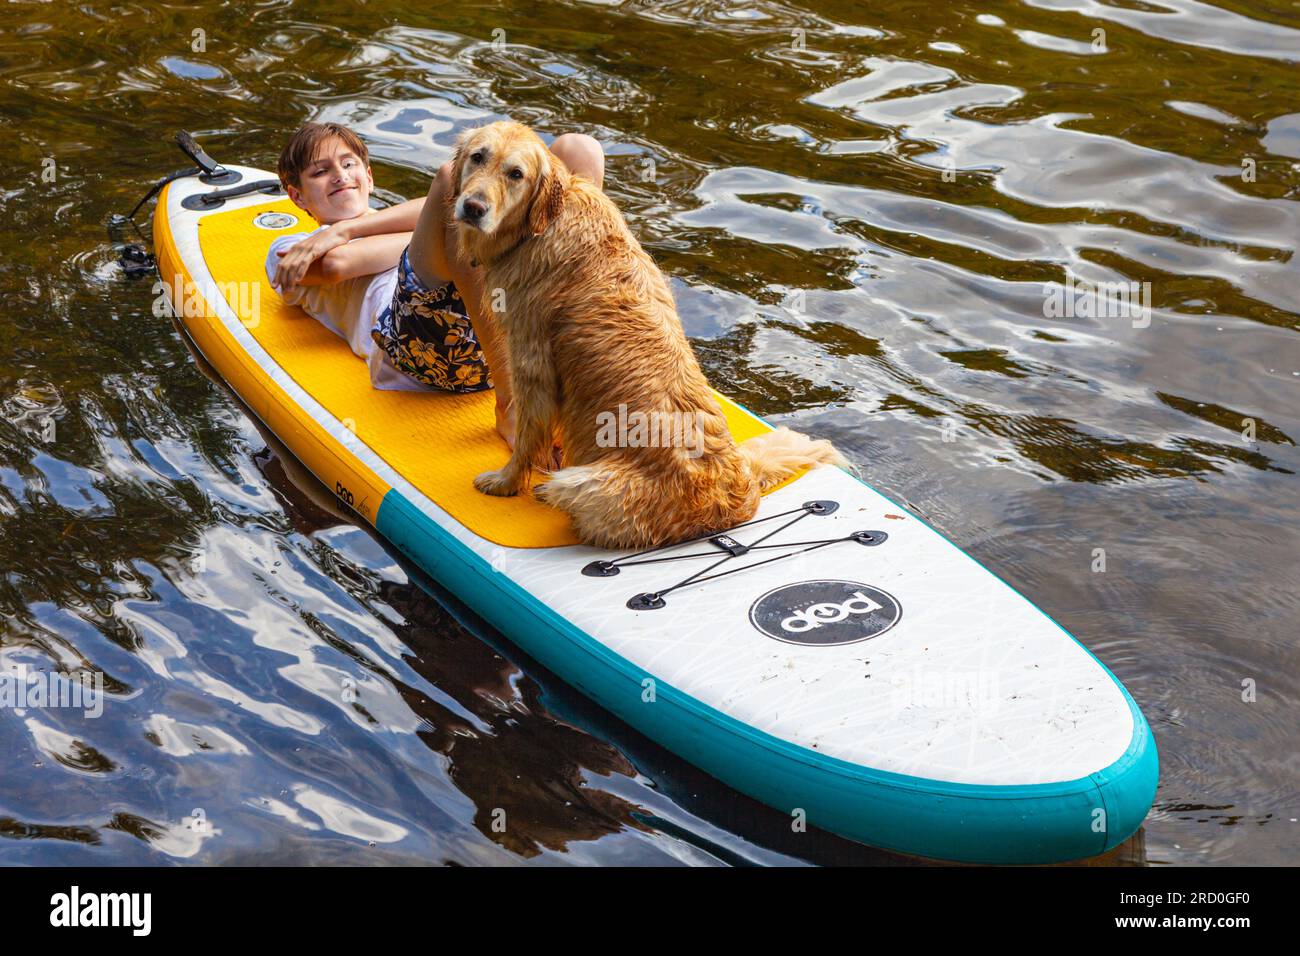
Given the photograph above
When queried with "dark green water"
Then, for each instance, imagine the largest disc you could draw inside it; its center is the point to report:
(859, 206)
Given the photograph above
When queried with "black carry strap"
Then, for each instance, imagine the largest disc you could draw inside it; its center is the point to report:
(218, 196)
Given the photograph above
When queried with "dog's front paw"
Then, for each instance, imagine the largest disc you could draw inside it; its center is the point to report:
(496, 483)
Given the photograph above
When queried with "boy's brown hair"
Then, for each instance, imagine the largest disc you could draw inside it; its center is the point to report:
(302, 146)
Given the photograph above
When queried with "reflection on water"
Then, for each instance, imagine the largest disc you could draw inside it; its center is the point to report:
(902, 228)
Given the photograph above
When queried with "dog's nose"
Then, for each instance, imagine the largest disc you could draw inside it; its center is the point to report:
(474, 209)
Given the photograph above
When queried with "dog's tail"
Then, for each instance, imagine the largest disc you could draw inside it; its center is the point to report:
(604, 501)
(776, 455)
(613, 504)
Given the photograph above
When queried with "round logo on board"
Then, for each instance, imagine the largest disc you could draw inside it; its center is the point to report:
(275, 220)
(825, 613)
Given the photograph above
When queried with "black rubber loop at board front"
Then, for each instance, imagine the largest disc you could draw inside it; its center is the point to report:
(226, 177)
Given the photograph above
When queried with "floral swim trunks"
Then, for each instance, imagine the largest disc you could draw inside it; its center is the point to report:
(428, 335)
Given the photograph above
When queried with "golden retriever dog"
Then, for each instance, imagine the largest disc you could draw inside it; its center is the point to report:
(594, 345)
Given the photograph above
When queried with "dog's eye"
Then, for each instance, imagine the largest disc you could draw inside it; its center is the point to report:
(516, 174)
(476, 156)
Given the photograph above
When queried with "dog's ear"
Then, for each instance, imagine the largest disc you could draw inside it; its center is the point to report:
(458, 158)
(548, 197)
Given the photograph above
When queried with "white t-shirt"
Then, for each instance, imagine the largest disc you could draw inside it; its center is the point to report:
(349, 309)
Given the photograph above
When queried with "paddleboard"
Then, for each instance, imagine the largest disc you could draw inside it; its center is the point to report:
(835, 658)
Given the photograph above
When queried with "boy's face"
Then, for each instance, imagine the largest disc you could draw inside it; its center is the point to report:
(335, 185)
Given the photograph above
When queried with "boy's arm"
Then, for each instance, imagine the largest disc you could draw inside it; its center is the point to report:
(365, 256)
(399, 218)
(298, 262)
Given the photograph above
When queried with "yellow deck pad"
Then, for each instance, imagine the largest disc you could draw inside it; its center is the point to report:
(435, 440)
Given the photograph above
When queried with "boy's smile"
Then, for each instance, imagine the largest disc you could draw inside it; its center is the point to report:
(335, 185)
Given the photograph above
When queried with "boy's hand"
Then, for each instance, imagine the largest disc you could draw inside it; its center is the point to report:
(297, 259)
